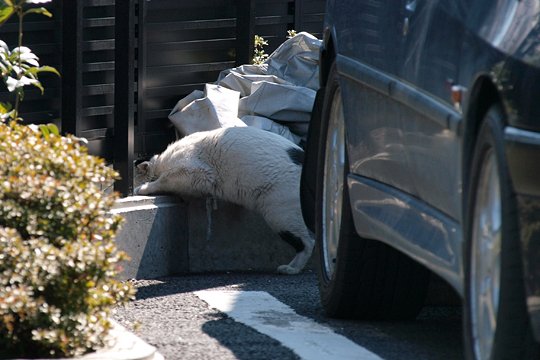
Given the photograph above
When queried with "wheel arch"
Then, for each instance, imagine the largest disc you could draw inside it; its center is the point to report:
(327, 56)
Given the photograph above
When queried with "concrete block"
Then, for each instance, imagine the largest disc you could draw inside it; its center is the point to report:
(164, 235)
(154, 235)
(232, 238)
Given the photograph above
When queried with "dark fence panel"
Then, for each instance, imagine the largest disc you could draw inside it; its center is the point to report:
(309, 16)
(183, 45)
(96, 119)
(175, 48)
(88, 50)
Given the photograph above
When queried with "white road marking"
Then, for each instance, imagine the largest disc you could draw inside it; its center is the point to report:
(267, 315)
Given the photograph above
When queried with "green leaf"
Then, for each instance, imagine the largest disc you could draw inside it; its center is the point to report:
(47, 68)
(45, 131)
(41, 11)
(53, 129)
(5, 12)
(39, 86)
(5, 108)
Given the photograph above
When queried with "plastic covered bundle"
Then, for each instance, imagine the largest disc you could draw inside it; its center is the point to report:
(277, 96)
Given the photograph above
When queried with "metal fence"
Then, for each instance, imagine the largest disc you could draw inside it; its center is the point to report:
(126, 63)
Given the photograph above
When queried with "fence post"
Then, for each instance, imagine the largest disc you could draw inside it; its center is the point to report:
(245, 31)
(72, 40)
(124, 94)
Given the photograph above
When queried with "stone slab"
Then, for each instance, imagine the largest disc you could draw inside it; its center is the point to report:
(228, 237)
(164, 235)
(154, 235)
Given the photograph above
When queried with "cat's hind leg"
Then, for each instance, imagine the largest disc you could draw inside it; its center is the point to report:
(288, 223)
(303, 246)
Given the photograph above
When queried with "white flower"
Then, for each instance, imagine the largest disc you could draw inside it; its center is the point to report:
(27, 55)
(13, 83)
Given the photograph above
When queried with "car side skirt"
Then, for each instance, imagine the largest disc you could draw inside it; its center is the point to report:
(431, 238)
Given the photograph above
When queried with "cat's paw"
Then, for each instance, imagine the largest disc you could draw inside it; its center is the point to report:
(287, 270)
(141, 190)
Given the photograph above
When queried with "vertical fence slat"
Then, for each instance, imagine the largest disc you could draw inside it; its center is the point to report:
(142, 51)
(72, 40)
(245, 31)
(298, 12)
(124, 94)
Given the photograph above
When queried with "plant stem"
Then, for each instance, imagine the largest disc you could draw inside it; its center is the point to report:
(20, 15)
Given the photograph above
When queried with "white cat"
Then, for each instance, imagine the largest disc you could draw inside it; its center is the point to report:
(247, 166)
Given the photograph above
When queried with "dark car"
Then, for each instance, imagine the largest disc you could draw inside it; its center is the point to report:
(423, 155)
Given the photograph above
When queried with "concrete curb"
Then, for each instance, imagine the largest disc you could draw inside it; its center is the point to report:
(164, 235)
(154, 235)
(228, 237)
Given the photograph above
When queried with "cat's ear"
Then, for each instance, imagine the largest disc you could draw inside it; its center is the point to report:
(143, 167)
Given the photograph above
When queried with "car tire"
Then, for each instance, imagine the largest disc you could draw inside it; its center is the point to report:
(358, 278)
(307, 180)
(496, 323)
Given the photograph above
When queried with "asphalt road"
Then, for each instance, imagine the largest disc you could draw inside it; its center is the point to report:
(170, 314)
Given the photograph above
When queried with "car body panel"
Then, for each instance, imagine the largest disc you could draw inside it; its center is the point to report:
(401, 137)
(429, 237)
(409, 139)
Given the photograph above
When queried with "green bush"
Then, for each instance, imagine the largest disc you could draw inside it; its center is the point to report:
(58, 260)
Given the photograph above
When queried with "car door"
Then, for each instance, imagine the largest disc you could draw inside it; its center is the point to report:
(368, 47)
(432, 38)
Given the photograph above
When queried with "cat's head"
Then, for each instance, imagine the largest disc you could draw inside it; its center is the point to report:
(145, 172)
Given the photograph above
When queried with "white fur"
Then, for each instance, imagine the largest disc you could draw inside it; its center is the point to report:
(242, 165)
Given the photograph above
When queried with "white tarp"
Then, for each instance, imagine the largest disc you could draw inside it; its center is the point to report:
(297, 61)
(276, 96)
(216, 107)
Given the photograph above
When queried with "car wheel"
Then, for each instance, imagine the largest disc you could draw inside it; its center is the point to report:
(496, 323)
(358, 278)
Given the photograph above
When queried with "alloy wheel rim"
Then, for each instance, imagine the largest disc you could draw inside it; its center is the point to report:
(486, 258)
(333, 182)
